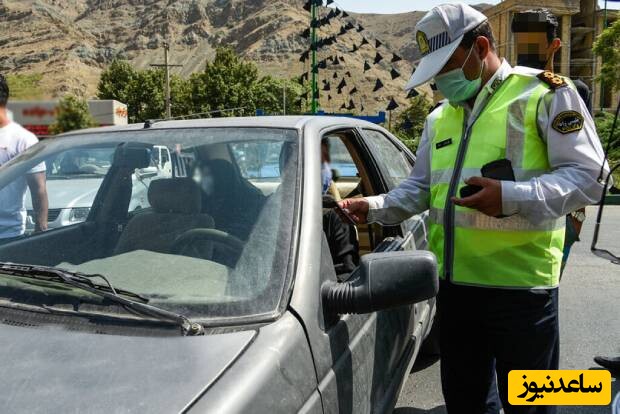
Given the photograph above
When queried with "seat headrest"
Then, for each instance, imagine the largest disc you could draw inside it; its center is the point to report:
(175, 195)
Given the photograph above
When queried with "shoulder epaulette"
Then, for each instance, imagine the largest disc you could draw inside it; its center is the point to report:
(554, 81)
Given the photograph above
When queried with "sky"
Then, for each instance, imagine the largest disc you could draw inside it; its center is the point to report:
(400, 6)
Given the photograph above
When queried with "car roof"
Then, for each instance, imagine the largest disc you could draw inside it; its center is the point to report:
(288, 122)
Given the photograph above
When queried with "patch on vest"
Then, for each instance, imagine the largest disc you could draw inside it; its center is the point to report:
(567, 122)
(443, 143)
(554, 81)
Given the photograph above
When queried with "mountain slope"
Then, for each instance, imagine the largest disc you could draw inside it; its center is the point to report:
(71, 41)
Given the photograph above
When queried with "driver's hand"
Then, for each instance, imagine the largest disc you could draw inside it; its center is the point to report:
(357, 208)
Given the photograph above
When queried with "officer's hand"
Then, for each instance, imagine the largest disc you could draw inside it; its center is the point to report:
(487, 201)
(356, 207)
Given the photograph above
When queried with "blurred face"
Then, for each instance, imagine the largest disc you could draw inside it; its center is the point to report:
(533, 50)
(207, 182)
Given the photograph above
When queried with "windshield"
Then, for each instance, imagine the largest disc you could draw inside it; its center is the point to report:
(192, 219)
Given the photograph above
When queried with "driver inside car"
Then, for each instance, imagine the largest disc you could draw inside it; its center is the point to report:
(232, 201)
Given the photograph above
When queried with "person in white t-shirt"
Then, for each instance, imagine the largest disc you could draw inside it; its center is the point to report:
(15, 139)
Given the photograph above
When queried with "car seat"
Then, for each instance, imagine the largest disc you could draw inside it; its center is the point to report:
(176, 208)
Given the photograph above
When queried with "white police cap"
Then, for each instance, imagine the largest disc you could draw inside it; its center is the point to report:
(438, 34)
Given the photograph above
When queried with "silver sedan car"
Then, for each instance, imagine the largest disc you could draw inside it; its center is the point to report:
(235, 288)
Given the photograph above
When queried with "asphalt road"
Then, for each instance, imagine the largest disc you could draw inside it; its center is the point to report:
(589, 320)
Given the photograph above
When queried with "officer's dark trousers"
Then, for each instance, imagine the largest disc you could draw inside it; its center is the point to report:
(518, 329)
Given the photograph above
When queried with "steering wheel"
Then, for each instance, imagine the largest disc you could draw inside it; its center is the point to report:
(187, 242)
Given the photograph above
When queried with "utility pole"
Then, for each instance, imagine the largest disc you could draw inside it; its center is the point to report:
(166, 67)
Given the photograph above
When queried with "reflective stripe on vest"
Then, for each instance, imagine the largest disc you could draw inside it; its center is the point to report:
(511, 252)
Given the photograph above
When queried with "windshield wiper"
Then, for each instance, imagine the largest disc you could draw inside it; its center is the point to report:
(83, 281)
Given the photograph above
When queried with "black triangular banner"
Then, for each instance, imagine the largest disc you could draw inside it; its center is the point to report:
(377, 43)
(407, 124)
(353, 91)
(433, 86)
(327, 87)
(395, 74)
(304, 56)
(360, 28)
(336, 61)
(364, 42)
(305, 34)
(329, 97)
(354, 48)
(378, 58)
(396, 58)
(348, 73)
(366, 66)
(378, 85)
(343, 30)
(335, 75)
(412, 93)
(351, 105)
(392, 105)
(343, 106)
(345, 14)
(342, 84)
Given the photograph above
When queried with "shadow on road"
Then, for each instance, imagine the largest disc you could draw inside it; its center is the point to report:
(423, 362)
(440, 409)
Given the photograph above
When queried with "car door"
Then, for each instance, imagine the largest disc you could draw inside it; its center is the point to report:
(370, 353)
(395, 162)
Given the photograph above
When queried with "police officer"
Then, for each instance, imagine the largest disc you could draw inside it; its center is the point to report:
(500, 249)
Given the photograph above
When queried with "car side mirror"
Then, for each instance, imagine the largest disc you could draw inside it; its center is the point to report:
(384, 281)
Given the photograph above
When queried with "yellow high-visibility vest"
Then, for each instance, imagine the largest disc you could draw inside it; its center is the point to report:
(471, 247)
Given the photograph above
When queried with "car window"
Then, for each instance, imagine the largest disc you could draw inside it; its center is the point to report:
(394, 163)
(201, 239)
(341, 159)
(73, 178)
(257, 159)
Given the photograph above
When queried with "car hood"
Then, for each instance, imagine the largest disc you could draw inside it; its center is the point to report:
(75, 192)
(53, 370)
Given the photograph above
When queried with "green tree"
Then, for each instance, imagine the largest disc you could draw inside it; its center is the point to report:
(268, 93)
(410, 122)
(143, 91)
(227, 82)
(72, 114)
(607, 46)
(604, 121)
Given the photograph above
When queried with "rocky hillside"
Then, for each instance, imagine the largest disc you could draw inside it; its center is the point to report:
(70, 41)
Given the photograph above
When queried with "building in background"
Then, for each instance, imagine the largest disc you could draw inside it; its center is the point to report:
(580, 22)
(37, 116)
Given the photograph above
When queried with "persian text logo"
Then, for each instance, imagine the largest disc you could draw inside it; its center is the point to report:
(561, 387)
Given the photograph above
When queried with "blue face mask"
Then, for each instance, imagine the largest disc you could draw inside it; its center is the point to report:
(455, 86)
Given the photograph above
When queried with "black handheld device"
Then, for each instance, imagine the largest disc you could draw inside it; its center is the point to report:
(497, 170)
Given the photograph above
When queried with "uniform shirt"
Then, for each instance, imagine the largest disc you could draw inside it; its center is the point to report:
(13, 140)
(575, 161)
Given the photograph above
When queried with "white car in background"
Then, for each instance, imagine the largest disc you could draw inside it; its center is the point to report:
(74, 178)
